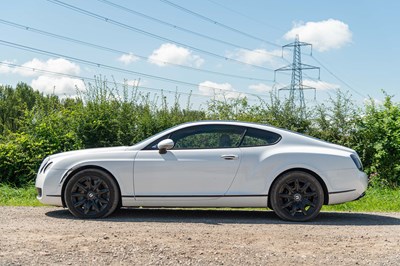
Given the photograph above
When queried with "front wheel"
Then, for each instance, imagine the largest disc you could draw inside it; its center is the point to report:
(297, 196)
(91, 193)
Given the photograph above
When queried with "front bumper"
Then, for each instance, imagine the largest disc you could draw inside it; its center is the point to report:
(49, 188)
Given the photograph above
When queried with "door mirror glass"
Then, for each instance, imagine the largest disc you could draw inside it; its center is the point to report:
(165, 145)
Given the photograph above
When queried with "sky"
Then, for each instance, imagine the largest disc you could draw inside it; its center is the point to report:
(220, 49)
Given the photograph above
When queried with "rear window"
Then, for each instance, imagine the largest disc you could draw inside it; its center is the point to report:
(257, 137)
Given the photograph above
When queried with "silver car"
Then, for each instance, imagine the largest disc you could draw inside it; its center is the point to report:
(206, 164)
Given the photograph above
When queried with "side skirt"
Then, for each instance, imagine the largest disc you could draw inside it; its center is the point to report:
(196, 201)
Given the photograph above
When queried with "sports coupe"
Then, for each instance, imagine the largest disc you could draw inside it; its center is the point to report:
(206, 164)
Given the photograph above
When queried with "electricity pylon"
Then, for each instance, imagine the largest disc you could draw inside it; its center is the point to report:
(296, 87)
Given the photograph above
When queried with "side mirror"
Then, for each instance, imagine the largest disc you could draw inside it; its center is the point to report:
(165, 145)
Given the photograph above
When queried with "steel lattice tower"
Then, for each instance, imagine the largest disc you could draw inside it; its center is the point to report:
(296, 88)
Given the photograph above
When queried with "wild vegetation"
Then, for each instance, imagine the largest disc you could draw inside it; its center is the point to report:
(33, 125)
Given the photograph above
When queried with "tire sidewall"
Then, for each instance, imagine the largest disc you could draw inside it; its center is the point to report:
(292, 176)
(112, 185)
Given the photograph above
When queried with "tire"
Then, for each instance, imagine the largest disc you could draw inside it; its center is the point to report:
(91, 193)
(297, 196)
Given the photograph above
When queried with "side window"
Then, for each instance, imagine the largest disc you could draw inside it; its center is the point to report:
(208, 137)
(258, 137)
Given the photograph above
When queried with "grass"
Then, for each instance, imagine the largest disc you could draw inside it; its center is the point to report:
(12, 196)
(376, 200)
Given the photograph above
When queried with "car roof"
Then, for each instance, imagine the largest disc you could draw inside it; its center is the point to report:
(226, 122)
(238, 123)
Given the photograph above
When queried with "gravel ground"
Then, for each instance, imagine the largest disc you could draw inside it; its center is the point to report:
(49, 236)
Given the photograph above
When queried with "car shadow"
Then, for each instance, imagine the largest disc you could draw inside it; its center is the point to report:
(217, 217)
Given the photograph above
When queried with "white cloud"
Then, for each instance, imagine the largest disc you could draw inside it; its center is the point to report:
(323, 35)
(260, 87)
(170, 53)
(219, 90)
(59, 65)
(320, 85)
(127, 58)
(256, 56)
(58, 85)
(5, 69)
(48, 83)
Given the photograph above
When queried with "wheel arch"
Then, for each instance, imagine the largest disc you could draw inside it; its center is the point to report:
(70, 174)
(315, 175)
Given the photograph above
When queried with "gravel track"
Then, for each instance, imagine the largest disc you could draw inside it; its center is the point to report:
(51, 236)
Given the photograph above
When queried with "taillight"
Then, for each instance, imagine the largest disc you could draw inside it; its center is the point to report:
(357, 161)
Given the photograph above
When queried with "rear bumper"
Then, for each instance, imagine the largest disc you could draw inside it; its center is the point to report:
(361, 196)
(357, 190)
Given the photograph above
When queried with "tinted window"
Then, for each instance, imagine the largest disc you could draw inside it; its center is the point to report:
(207, 137)
(258, 137)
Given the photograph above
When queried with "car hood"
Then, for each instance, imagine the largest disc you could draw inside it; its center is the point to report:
(88, 151)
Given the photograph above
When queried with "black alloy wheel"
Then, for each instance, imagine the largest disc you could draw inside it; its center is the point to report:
(297, 196)
(91, 193)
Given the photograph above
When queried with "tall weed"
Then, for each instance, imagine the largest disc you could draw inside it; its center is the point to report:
(34, 125)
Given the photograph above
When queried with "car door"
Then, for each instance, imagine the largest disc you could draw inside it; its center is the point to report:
(203, 162)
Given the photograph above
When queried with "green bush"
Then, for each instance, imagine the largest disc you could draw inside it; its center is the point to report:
(276, 112)
(337, 120)
(13, 105)
(378, 142)
(20, 158)
(34, 126)
(22, 152)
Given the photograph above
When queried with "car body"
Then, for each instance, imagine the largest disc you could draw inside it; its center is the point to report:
(206, 164)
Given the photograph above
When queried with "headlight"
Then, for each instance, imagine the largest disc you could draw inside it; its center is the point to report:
(357, 161)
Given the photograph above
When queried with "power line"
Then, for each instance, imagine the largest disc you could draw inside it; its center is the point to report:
(53, 35)
(194, 48)
(53, 73)
(334, 75)
(134, 12)
(226, 27)
(341, 80)
(318, 79)
(245, 16)
(128, 27)
(322, 65)
(217, 23)
(296, 88)
(117, 69)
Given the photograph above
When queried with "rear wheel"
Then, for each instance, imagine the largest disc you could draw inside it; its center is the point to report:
(297, 196)
(91, 193)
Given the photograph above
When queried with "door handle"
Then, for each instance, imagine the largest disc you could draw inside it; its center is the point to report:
(229, 157)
